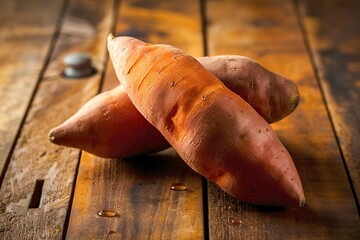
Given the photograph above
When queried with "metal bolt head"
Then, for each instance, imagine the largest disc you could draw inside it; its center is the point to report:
(77, 65)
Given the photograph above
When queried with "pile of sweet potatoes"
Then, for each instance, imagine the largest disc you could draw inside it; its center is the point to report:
(214, 111)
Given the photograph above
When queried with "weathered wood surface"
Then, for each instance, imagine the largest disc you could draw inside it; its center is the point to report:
(269, 32)
(26, 31)
(138, 189)
(38, 184)
(38, 187)
(333, 33)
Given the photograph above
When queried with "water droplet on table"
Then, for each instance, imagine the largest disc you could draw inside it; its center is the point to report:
(234, 221)
(178, 187)
(107, 213)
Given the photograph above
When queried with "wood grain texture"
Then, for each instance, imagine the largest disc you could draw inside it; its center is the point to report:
(26, 31)
(178, 24)
(333, 32)
(257, 29)
(139, 188)
(85, 27)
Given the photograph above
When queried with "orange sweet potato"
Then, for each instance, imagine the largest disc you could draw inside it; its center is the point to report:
(110, 126)
(272, 95)
(214, 130)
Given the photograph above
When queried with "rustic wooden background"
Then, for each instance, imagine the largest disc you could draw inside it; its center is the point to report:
(52, 192)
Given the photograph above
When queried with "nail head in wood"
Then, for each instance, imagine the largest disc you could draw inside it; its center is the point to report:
(78, 65)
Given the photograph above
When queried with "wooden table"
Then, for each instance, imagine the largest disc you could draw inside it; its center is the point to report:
(52, 192)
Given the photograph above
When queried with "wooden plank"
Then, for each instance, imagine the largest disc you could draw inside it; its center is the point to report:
(26, 31)
(110, 79)
(332, 30)
(138, 189)
(268, 31)
(37, 188)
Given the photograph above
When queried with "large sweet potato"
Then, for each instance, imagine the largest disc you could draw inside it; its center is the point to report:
(214, 130)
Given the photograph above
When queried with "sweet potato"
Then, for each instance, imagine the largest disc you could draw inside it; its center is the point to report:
(272, 95)
(214, 130)
(110, 126)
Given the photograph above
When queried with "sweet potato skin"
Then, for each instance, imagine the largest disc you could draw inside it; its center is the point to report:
(111, 126)
(272, 95)
(215, 131)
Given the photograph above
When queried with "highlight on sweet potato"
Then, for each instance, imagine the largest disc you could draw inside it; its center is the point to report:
(214, 130)
(110, 126)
